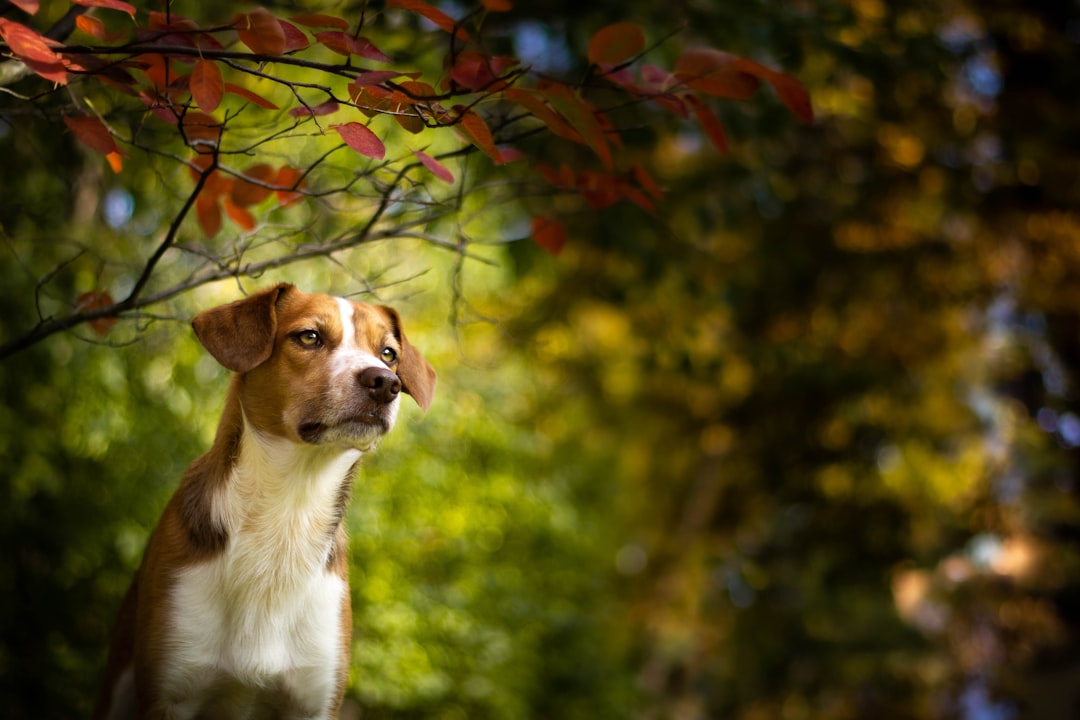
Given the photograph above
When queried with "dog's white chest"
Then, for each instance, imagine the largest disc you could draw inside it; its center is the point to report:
(236, 643)
(261, 621)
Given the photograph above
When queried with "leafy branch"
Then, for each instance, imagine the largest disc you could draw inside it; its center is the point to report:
(189, 84)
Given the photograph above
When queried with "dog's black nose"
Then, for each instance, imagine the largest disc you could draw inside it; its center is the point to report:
(383, 385)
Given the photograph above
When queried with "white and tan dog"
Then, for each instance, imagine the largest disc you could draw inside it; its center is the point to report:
(241, 606)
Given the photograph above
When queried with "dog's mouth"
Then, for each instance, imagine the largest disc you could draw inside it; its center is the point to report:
(362, 428)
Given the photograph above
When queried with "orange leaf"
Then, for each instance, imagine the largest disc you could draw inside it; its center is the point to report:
(549, 234)
(709, 123)
(260, 31)
(30, 7)
(320, 21)
(480, 134)
(239, 215)
(246, 193)
(206, 85)
(34, 50)
(616, 43)
(361, 139)
(92, 133)
(91, 26)
(208, 214)
(116, 162)
(250, 96)
(156, 68)
(290, 180)
(110, 5)
(438, 17)
(434, 166)
(97, 300)
(716, 73)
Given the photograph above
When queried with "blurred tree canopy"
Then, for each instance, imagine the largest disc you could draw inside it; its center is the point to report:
(800, 443)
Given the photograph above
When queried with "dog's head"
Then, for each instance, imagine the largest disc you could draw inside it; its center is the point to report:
(314, 368)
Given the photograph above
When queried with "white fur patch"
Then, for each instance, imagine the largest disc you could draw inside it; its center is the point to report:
(265, 614)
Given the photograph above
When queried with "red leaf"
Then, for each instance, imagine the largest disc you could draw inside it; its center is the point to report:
(92, 133)
(480, 134)
(438, 17)
(250, 96)
(246, 193)
(345, 44)
(319, 20)
(549, 234)
(206, 85)
(715, 73)
(326, 108)
(412, 123)
(260, 31)
(655, 76)
(366, 49)
(361, 139)
(295, 38)
(510, 155)
(434, 166)
(208, 214)
(30, 7)
(599, 190)
(216, 182)
(335, 40)
(616, 43)
(475, 71)
(97, 300)
(110, 5)
(290, 180)
(555, 122)
(709, 123)
(582, 117)
(375, 77)
(497, 5)
(201, 129)
(791, 91)
(646, 181)
(239, 215)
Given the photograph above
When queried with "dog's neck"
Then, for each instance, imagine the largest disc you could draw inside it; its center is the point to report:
(277, 495)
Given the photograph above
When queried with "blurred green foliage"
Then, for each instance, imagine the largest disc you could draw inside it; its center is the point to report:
(803, 445)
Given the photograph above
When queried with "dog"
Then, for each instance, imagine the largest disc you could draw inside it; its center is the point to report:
(241, 606)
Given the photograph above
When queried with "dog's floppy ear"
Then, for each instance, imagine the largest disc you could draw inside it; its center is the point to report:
(240, 335)
(415, 372)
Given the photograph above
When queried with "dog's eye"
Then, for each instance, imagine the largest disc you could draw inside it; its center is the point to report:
(308, 338)
(389, 355)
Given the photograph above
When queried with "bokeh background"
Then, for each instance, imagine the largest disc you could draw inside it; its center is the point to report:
(802, 444)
